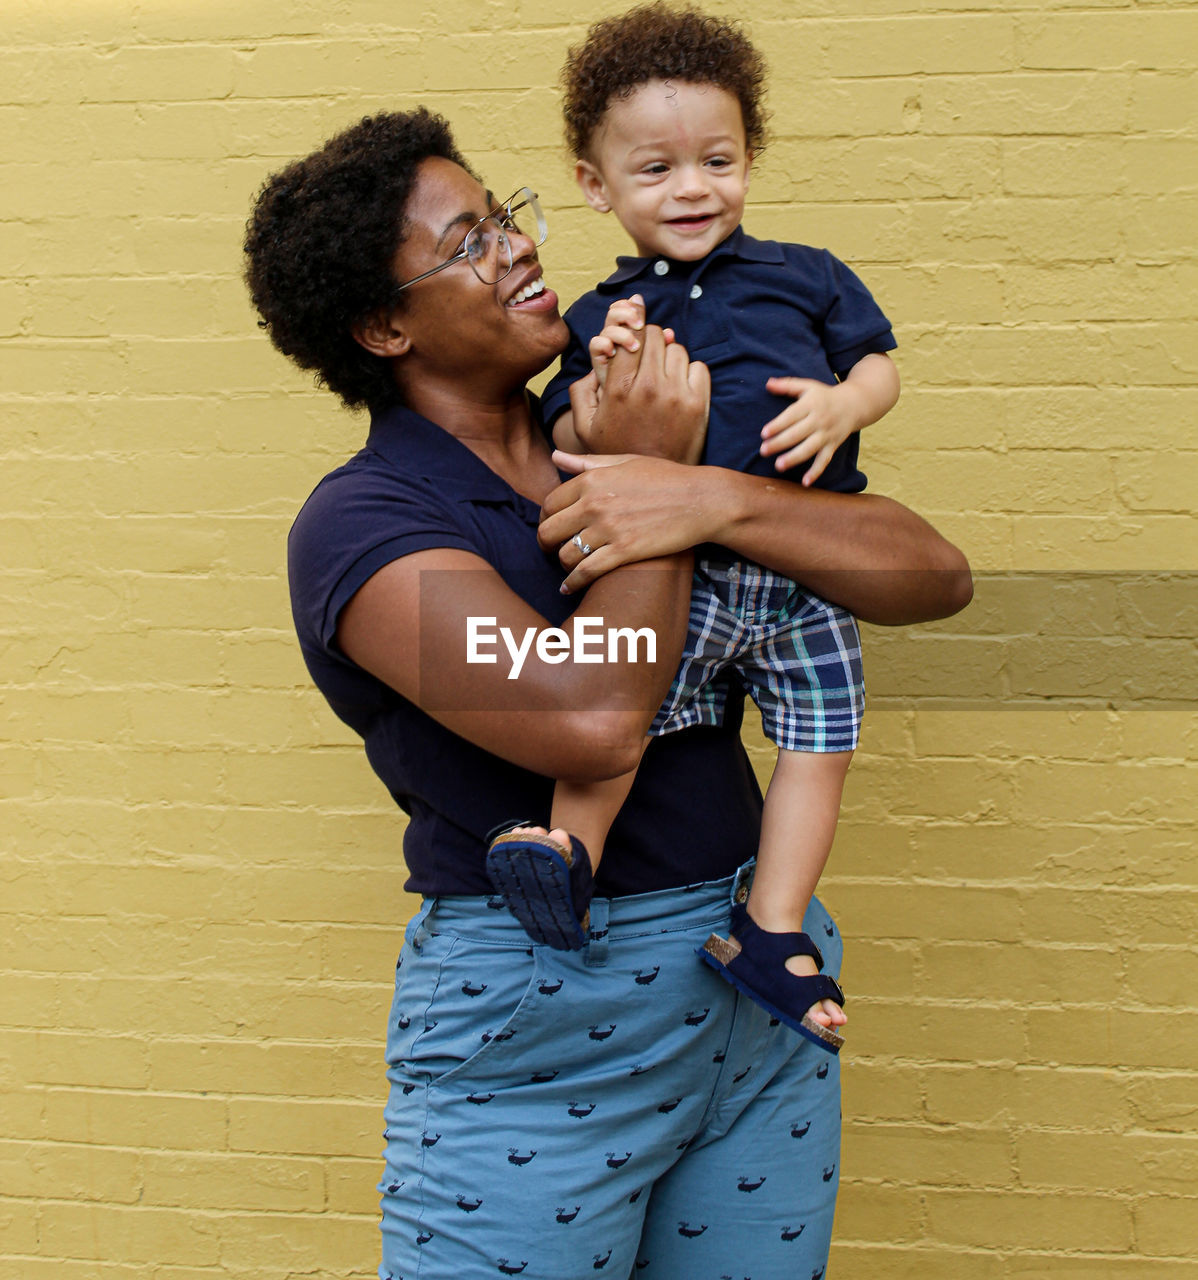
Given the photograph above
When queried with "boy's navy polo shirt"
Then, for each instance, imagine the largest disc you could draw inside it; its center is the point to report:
(694, 811)
(750, 310)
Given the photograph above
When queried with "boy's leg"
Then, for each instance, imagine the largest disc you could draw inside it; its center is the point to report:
(803, 670)
(587, 810)
(797, 827)
(546, 878)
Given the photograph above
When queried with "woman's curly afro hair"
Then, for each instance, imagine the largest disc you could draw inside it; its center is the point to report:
(321, 242)
(659, 42)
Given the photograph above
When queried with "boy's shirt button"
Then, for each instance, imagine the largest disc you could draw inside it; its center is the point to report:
(696, 291)
(660, 267)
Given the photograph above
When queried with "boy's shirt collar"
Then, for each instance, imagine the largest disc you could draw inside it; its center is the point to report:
(737, 245)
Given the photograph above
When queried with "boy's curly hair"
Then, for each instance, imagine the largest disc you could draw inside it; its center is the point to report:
(659, 42)
(321, 242)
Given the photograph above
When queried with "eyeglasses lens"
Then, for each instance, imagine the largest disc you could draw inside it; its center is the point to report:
(487, 245)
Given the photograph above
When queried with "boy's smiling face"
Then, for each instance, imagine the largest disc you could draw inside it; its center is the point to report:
(670, 160)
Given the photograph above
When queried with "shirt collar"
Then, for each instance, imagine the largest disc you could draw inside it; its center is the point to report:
(737, 245)
(421, 449)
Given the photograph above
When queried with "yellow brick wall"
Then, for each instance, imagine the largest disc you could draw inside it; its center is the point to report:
(201, 886)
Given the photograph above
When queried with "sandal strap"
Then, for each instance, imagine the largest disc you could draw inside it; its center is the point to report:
(774, 948)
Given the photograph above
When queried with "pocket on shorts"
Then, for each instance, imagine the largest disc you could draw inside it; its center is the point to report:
(462, 1007)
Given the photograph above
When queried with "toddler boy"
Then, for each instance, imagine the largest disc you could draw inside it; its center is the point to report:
(664, 114)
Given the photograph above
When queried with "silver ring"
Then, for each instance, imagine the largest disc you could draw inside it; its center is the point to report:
(584, 547)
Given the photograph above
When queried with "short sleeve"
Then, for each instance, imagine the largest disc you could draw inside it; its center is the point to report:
(353, 525)
(854, 325)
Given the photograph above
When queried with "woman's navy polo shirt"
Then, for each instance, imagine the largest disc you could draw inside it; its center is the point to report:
(694, 811)
(750, 310)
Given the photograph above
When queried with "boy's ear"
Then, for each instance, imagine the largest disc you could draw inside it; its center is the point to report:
(594, 190)
(748, 167)
(383, 333)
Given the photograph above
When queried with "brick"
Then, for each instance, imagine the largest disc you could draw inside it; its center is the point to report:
(141, 1234)
(106, 1061)
(334, 1245)
(880, 970)
(880, 169)
(1107, 40)
(304, 1128)
(1029, 974)
(1020, 104)
(1165, 1225)
(45, 1171)
(1075, 734)
(351, 1185)
(1162, 102)
(227, 1181)
(1112, 542)
(153, 1121)
(1034, 225)
(883, 1091)
(889, 1214)
(323, 1069)
(1109, 1266)
(1164, 1103)
(1112, 1162)
(916, 44)
(973, 1157)
(1062, 1221)
(356, 953)
(1098, 1037)
(885, 1261)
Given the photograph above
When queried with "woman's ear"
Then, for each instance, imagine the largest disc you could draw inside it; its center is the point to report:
(594, 191)
(383, 333)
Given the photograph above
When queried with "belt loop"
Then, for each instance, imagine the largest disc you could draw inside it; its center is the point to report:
(415, 931)
(743, 881)
(596, 948)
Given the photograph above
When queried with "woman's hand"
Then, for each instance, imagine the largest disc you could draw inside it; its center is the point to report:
(867, 553)
(624, 507)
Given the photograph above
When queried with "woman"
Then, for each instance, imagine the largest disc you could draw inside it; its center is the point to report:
(552, 1114)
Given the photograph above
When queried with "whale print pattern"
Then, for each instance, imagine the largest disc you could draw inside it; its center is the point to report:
(554, 1120)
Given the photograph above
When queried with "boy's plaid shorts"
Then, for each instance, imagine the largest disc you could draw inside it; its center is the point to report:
(798, 656)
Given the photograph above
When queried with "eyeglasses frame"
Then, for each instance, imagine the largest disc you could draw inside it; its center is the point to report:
(506, 225)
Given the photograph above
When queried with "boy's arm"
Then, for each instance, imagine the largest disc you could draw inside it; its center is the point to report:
(822, 417)
(564, 435)
(587, 428)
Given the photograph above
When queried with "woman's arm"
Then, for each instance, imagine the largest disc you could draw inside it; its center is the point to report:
(867, 553)
(431, 626)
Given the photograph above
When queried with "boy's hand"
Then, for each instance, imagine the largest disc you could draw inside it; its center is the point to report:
(623, 327)
(655, 402)
(815, 426)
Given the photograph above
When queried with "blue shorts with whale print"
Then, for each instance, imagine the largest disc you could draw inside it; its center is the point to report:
(618, 1111)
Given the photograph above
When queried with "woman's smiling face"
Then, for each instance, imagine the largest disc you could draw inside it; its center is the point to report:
(457, 325)
(670, 160)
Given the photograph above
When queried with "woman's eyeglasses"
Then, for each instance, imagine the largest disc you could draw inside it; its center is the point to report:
(487, 246)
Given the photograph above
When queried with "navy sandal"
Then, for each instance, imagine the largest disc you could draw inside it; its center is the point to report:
(546, 886)
(754, 961)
